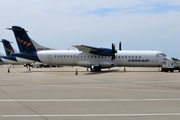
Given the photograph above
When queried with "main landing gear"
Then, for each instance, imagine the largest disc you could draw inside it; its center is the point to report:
(95, 68)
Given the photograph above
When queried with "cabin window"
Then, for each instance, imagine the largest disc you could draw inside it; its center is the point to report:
(125, 56)
(129, 57)
(122, 57)
(132, 56)
(77, 56)
(136, 57)
(91, 56)
(64, 56)
(67, 56)
(139, 57)
(119, 57)
(61, 56)
(55, 56)
(94, 56)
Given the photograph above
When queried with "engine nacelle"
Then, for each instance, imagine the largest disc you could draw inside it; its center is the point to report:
(106, 64)
(103, 52)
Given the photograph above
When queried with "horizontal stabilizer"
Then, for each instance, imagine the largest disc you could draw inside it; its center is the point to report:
(16, 28)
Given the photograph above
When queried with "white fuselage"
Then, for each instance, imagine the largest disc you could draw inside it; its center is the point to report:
(123, 58)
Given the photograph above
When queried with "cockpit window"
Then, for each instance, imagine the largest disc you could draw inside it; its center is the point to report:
(161, 55)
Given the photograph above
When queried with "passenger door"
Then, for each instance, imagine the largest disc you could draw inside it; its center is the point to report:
(49, 59)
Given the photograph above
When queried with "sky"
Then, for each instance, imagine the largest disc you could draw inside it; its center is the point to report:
(60, 24)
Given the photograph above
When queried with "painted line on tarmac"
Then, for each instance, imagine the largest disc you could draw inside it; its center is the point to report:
(156, 82)
(86, 100)
(95, 115)
(10, 78)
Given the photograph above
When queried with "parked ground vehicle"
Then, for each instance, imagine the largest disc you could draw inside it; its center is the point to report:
(171, 66)
(36, 65)
(40, 65)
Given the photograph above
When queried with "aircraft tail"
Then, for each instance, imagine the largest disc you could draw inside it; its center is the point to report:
(7, 47)
(23, 40)
(25, 43)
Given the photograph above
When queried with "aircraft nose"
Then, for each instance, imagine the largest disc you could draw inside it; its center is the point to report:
(168, 59)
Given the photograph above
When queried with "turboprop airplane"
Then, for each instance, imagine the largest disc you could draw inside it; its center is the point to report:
(8, 59)
(87, 56)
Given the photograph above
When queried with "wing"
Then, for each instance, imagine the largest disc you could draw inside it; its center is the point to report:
(86, 49)
(94, 50)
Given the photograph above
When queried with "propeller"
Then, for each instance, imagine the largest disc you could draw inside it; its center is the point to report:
(120, 46)
(113, 51)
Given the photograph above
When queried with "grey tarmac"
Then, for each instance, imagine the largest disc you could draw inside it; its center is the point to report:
(112, 94)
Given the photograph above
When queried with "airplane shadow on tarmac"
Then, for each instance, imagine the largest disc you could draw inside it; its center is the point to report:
(85, 72)
(101, 72)
(74, 71)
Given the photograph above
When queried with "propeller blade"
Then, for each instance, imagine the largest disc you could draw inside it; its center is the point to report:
(113, 51)
(120, 46)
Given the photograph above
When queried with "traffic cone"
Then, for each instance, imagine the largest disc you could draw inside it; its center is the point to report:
(8, 70)
(76, 72)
